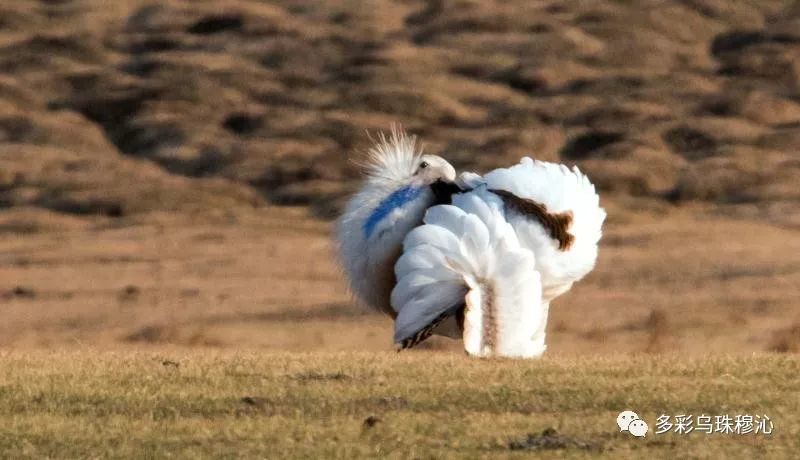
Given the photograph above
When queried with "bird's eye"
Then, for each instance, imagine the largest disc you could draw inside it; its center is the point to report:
(423, 165)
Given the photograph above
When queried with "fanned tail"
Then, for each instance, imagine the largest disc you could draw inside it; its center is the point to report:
(466, 259)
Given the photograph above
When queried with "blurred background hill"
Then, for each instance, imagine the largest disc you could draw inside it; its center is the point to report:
(169, 170)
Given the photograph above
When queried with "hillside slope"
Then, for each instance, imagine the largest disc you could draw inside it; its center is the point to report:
(168, 169)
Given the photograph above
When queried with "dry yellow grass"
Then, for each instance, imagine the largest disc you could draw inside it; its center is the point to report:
(353, 405)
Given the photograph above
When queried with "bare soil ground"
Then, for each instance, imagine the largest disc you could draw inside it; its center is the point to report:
(686, 282)
(168, 170)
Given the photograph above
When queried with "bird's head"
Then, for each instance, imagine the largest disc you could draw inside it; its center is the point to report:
(431, 169)
(395, 161)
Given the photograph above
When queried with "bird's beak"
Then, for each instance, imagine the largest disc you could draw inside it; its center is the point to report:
(449, 174)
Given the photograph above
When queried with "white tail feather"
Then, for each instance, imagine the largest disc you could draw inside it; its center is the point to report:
(467, 256)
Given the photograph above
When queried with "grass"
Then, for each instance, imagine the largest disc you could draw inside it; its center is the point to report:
(410, 405)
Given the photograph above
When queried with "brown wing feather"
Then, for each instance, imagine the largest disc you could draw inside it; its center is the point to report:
(556, 224)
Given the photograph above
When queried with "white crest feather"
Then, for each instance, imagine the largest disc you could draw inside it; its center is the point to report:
(391, 158)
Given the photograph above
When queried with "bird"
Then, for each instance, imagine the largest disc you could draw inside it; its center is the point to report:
(463, 255)
(401, 184)
(493, 259)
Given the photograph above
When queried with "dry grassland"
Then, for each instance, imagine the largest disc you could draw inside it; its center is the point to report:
(690, 282)
(348, 405)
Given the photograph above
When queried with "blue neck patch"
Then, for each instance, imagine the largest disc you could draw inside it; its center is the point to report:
(397, 199)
